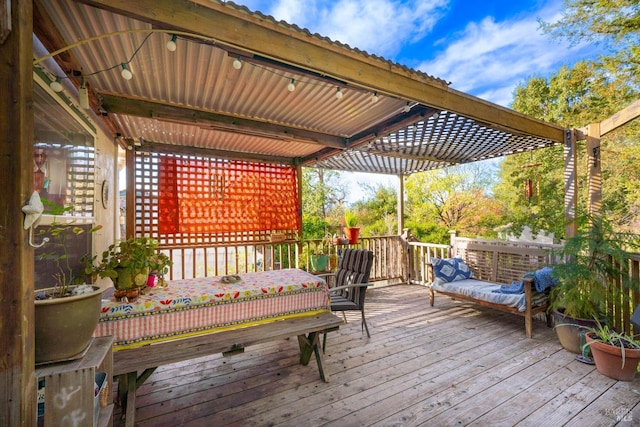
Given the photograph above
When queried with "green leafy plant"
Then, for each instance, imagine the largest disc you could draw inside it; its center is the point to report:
(350, 219)
(127, 262)
(159, 263)
(594, 260)
(322, 247)
(604, 334)
(56, 249)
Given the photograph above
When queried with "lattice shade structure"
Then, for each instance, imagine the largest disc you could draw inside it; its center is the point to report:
(182, 199)
(441, 140)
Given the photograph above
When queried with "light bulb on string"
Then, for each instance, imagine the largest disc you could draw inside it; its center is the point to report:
(83, 95)
(126, 73)
(171, 44)
(55, 85)
(407, 107)
(292, 85)
(374, 97)
(237, 64)
(338, 93)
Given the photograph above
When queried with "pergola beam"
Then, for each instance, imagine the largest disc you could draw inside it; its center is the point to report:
(173, 113)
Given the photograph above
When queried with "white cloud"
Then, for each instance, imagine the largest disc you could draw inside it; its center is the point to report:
(378, 27)
(489, 58)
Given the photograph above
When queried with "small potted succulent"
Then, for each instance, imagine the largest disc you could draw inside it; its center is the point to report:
(351, 229)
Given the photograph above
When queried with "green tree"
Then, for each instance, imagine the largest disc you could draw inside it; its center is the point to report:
(611, 21)
(588, 92)
(378, 213)
(323, 191)
(456, 198)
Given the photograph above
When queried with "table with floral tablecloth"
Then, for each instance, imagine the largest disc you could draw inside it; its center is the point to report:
(205, 305)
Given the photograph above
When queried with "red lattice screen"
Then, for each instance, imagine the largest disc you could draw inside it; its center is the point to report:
(209, 196)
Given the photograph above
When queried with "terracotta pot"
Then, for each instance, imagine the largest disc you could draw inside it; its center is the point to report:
(352, 234)
(568, 330)
(608, 360)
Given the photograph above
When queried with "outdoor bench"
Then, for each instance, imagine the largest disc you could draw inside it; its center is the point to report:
(497, 266)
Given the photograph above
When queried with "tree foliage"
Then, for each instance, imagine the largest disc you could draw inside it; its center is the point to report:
(455, 198)
(585, 93)
(611, 21)
(323, 192)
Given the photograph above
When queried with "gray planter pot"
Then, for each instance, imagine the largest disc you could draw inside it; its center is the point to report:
(64, 326)
(568, 330)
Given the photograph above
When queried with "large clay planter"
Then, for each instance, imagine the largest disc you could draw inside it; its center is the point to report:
(608, 360)
(64, 326)
(352, 234)
(568, 330)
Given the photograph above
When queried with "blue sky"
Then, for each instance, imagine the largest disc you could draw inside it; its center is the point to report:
(483, 48)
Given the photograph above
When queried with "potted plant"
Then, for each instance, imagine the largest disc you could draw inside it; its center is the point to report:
(320, 255)
(616, 355)
(127, 263)
(593, 259)
(351, 229)
(159, 264)
(67, 313)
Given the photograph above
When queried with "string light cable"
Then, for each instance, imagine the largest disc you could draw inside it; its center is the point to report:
(294, 80)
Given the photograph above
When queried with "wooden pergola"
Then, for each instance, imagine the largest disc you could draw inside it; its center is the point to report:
(223, 92)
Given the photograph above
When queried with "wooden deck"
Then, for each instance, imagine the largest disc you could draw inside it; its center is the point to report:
(453, 364)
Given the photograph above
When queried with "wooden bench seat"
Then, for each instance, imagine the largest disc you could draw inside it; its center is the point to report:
(127, 363)
(502, 263)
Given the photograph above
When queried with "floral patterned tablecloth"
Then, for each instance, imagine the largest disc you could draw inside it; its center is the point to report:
(205, 305)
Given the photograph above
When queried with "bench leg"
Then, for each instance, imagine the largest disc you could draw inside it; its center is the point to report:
(309, 345)
(127, 386)
(432, 296)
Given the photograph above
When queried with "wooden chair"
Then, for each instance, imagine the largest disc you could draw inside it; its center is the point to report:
(351, 282)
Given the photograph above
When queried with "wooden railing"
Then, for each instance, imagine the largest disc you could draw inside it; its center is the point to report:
(200, 261)
(395, 261)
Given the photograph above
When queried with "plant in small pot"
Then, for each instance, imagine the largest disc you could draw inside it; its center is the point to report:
(320, 255)
(616, 355)
(159, 264)
(594, 259)
(351, 229)
(127, 264)
(67, 313)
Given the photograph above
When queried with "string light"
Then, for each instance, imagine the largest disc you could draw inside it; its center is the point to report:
(83, 95)
(55, 85)
(172, 47)
(171, 44)
(126, 73)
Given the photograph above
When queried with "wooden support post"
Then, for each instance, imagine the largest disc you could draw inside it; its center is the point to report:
(595, 169)
(570, 184)
(18, 389)
(400, 204)
(130, 213)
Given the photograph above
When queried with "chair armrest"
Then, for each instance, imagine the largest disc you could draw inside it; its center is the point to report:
(355, 285)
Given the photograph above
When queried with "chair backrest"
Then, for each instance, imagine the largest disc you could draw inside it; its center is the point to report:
(354, 267)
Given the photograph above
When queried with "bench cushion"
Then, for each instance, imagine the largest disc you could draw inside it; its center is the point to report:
(480, 290)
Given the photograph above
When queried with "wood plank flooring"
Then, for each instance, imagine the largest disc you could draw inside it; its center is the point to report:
(454, 364)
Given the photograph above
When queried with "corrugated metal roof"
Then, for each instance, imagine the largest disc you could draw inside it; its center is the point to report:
(200, 76)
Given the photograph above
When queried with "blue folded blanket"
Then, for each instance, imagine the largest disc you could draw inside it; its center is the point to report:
(542, 279)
